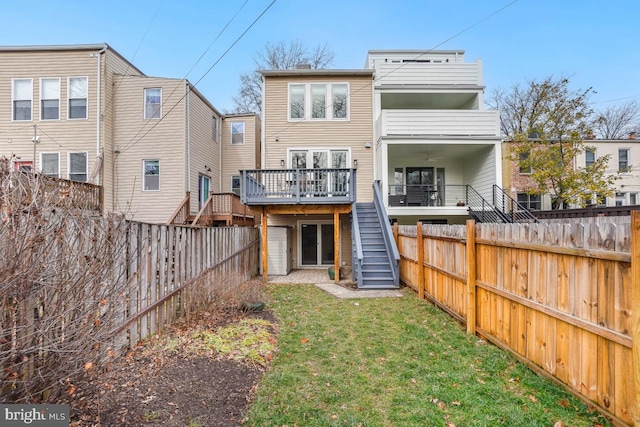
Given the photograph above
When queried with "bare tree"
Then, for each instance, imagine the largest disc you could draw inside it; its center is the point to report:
(276, 56)
(617, 121)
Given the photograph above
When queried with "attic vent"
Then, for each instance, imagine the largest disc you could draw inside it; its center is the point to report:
(302, 66)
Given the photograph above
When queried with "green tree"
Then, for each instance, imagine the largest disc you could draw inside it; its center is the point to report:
(545, 123)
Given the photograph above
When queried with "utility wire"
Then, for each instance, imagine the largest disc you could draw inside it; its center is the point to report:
(113, 94)
(405, 63)
(205, 74)
(166, 98)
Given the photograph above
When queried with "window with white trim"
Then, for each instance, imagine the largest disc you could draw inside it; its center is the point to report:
(325, 101)
(50, 99)
(524, 166)
(589, 156)
(78, 166)
(78, 89)
(50, 164)
(235, 184)
(153, 103)
(623, 160)
(151, 175)
(215, 126)
(237, 133)
(22, 98)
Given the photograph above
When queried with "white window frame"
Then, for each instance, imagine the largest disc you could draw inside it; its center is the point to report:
(86, 165)
(239, 183)
(595, 156)
(528, 203)
(310, 152)
(69, 98)
(144, 101)
(215, 128)
(627, 169)
(42, 98)
(57, 175)
(244, 133)
(13, 100)
(308, 102)
(144, 183)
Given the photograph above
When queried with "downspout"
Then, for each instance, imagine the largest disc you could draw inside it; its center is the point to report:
(263, 147)
(99, 118)
(188, 137)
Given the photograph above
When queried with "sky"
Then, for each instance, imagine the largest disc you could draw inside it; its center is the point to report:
(595, 43)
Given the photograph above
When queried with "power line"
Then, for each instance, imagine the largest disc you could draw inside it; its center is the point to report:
(205, 74)
(166, 99)
(113, 94)
(405, 63)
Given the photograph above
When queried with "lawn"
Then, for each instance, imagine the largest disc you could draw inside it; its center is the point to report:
(396, 362)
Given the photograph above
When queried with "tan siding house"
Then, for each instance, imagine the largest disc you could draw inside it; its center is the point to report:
(239, 153)
(318, 119)
(147, 140)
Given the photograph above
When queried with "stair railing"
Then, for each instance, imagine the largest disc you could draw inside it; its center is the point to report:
(483, 210)
(181, 214)
(510, 207)
(356, 240)
(389, 241)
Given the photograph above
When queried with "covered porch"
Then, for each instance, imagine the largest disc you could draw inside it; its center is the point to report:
(432, 176)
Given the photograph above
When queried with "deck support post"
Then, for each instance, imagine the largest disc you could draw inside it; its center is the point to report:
(336, 245)
(265, 254)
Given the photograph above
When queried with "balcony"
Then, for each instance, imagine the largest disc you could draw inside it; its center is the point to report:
(393, 73)
(439, 122)
(298, 186)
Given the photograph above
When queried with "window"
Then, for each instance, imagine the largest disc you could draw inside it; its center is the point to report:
(632, 199)
(153, 103)
(235, 184)
(24, 166)
(215, 127)
(523, 163)
(78, 167)
(314, 97)
(50, 164)
(623, 160)
(151, 178)
(49, 99)
(620, 197)
(530, 201)
(237, 133)
(296, 101)
(22, 96)
(318, 101)
(600, 200)
(590, 157)
(78, 97)
(339, 92)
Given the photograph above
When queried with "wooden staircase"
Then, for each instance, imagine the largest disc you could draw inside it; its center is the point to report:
(219, 210)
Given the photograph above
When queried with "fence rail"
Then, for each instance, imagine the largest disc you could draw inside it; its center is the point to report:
(89, 288)
(557, 296)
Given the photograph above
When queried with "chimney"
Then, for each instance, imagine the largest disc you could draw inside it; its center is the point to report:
(302, 66)
(632, 135)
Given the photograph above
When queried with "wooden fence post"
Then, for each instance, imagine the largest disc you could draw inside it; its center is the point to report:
(471, 276)
(420, 248)
(635, 315)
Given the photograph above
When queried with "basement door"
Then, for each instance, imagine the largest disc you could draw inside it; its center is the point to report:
(316, 243)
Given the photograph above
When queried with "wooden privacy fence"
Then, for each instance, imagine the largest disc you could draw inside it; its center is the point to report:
(77, 290)
(557, 296)
(170, 268)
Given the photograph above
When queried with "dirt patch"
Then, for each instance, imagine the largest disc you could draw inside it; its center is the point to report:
(173, 380)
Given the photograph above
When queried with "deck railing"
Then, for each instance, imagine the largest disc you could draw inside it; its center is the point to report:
(427, 195)
(298, 186)
(223, 207)
(21, 189)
